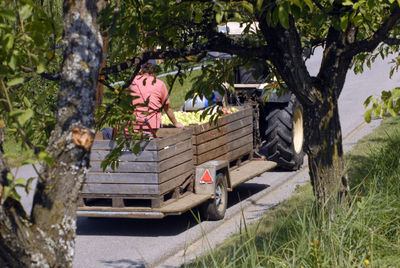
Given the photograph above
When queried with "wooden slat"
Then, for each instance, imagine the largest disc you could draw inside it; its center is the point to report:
(223, 120)
(186, 133)
(241, 142)
(124, 196)
(171, 173)
(126, 189)
(235, 154)
(146, 167)
(133, 178)
(233, 135)
(134, 189)
(249, 171)
(169, 131)
(145, 156)
(227, 151)
(178, 180)
(217, 132)
(183, 204)
(175, 160)
(229, 137)
(125, 167)
(140, 178)
(150, 145)
(218, 153)
(176, 149)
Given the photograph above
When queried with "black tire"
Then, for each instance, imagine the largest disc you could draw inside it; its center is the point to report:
(214, 209)
(284, 135)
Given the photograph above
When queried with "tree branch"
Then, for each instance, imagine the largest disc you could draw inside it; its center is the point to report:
(219, 43)
(52, 77)
(391, 41)
(369, 44)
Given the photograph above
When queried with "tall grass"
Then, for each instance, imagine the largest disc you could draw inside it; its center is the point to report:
(366, 234)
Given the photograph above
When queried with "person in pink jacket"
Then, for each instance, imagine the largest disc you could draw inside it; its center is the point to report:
(151, 97)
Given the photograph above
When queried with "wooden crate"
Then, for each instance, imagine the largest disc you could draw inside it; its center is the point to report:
(229, 139)
(162, 166)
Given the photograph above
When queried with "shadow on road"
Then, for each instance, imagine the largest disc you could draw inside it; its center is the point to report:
(168, 226)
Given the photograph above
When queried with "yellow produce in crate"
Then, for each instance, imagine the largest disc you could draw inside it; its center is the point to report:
(190, 118)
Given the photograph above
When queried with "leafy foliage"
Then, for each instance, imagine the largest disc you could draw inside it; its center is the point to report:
(389, 102)
(28, 36)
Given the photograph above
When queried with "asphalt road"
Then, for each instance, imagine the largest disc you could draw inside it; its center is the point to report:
(170, 241)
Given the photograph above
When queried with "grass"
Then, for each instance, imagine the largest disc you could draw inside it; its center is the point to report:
(367, 234)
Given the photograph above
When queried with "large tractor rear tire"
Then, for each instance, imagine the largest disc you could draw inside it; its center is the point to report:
(284, 134)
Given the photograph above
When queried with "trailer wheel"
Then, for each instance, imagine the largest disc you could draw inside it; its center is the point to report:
(284, 135)
(215, 208)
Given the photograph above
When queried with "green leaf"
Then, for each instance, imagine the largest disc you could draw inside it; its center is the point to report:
(283, 17)
(6, 192)
(259, 4)
(249, 7)
(347, 3)
(386, 95)
(8, 14)
(136, 148)
(20, 181)
(40, 68)
(371, 3)
(46, 157)
(25, 12)
(22, 116)
(14, 195)
(309, 4)
(378, 111)
(13, 63)
(396, 107)
(15, 81)
(9, 41)
(133, 32)
(28, 184)
(218, 17)
(343, 22)
(10, 178)
(27, 102)
(28, 161)
(297, 3)
(275, 16)
(368, 115)
(367, 101)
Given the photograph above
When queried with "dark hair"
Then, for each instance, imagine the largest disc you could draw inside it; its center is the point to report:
(148, 67)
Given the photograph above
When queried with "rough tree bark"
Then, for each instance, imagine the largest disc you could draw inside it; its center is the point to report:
(46, 237)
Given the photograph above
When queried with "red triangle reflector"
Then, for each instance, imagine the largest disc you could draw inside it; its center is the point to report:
(206, 177)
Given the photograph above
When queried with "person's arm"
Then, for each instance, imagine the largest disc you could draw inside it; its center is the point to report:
(170, 113)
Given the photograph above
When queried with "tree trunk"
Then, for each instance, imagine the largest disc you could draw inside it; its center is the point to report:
(47, 237)
(325, 152)
(318, 95)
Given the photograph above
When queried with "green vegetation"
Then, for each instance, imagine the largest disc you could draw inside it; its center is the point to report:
(367, 234)
(179, 91)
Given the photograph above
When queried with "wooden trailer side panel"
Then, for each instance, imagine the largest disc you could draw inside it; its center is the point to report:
(162, 166)
(229, 139)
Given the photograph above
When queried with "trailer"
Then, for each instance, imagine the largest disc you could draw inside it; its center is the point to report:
(179, 170)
